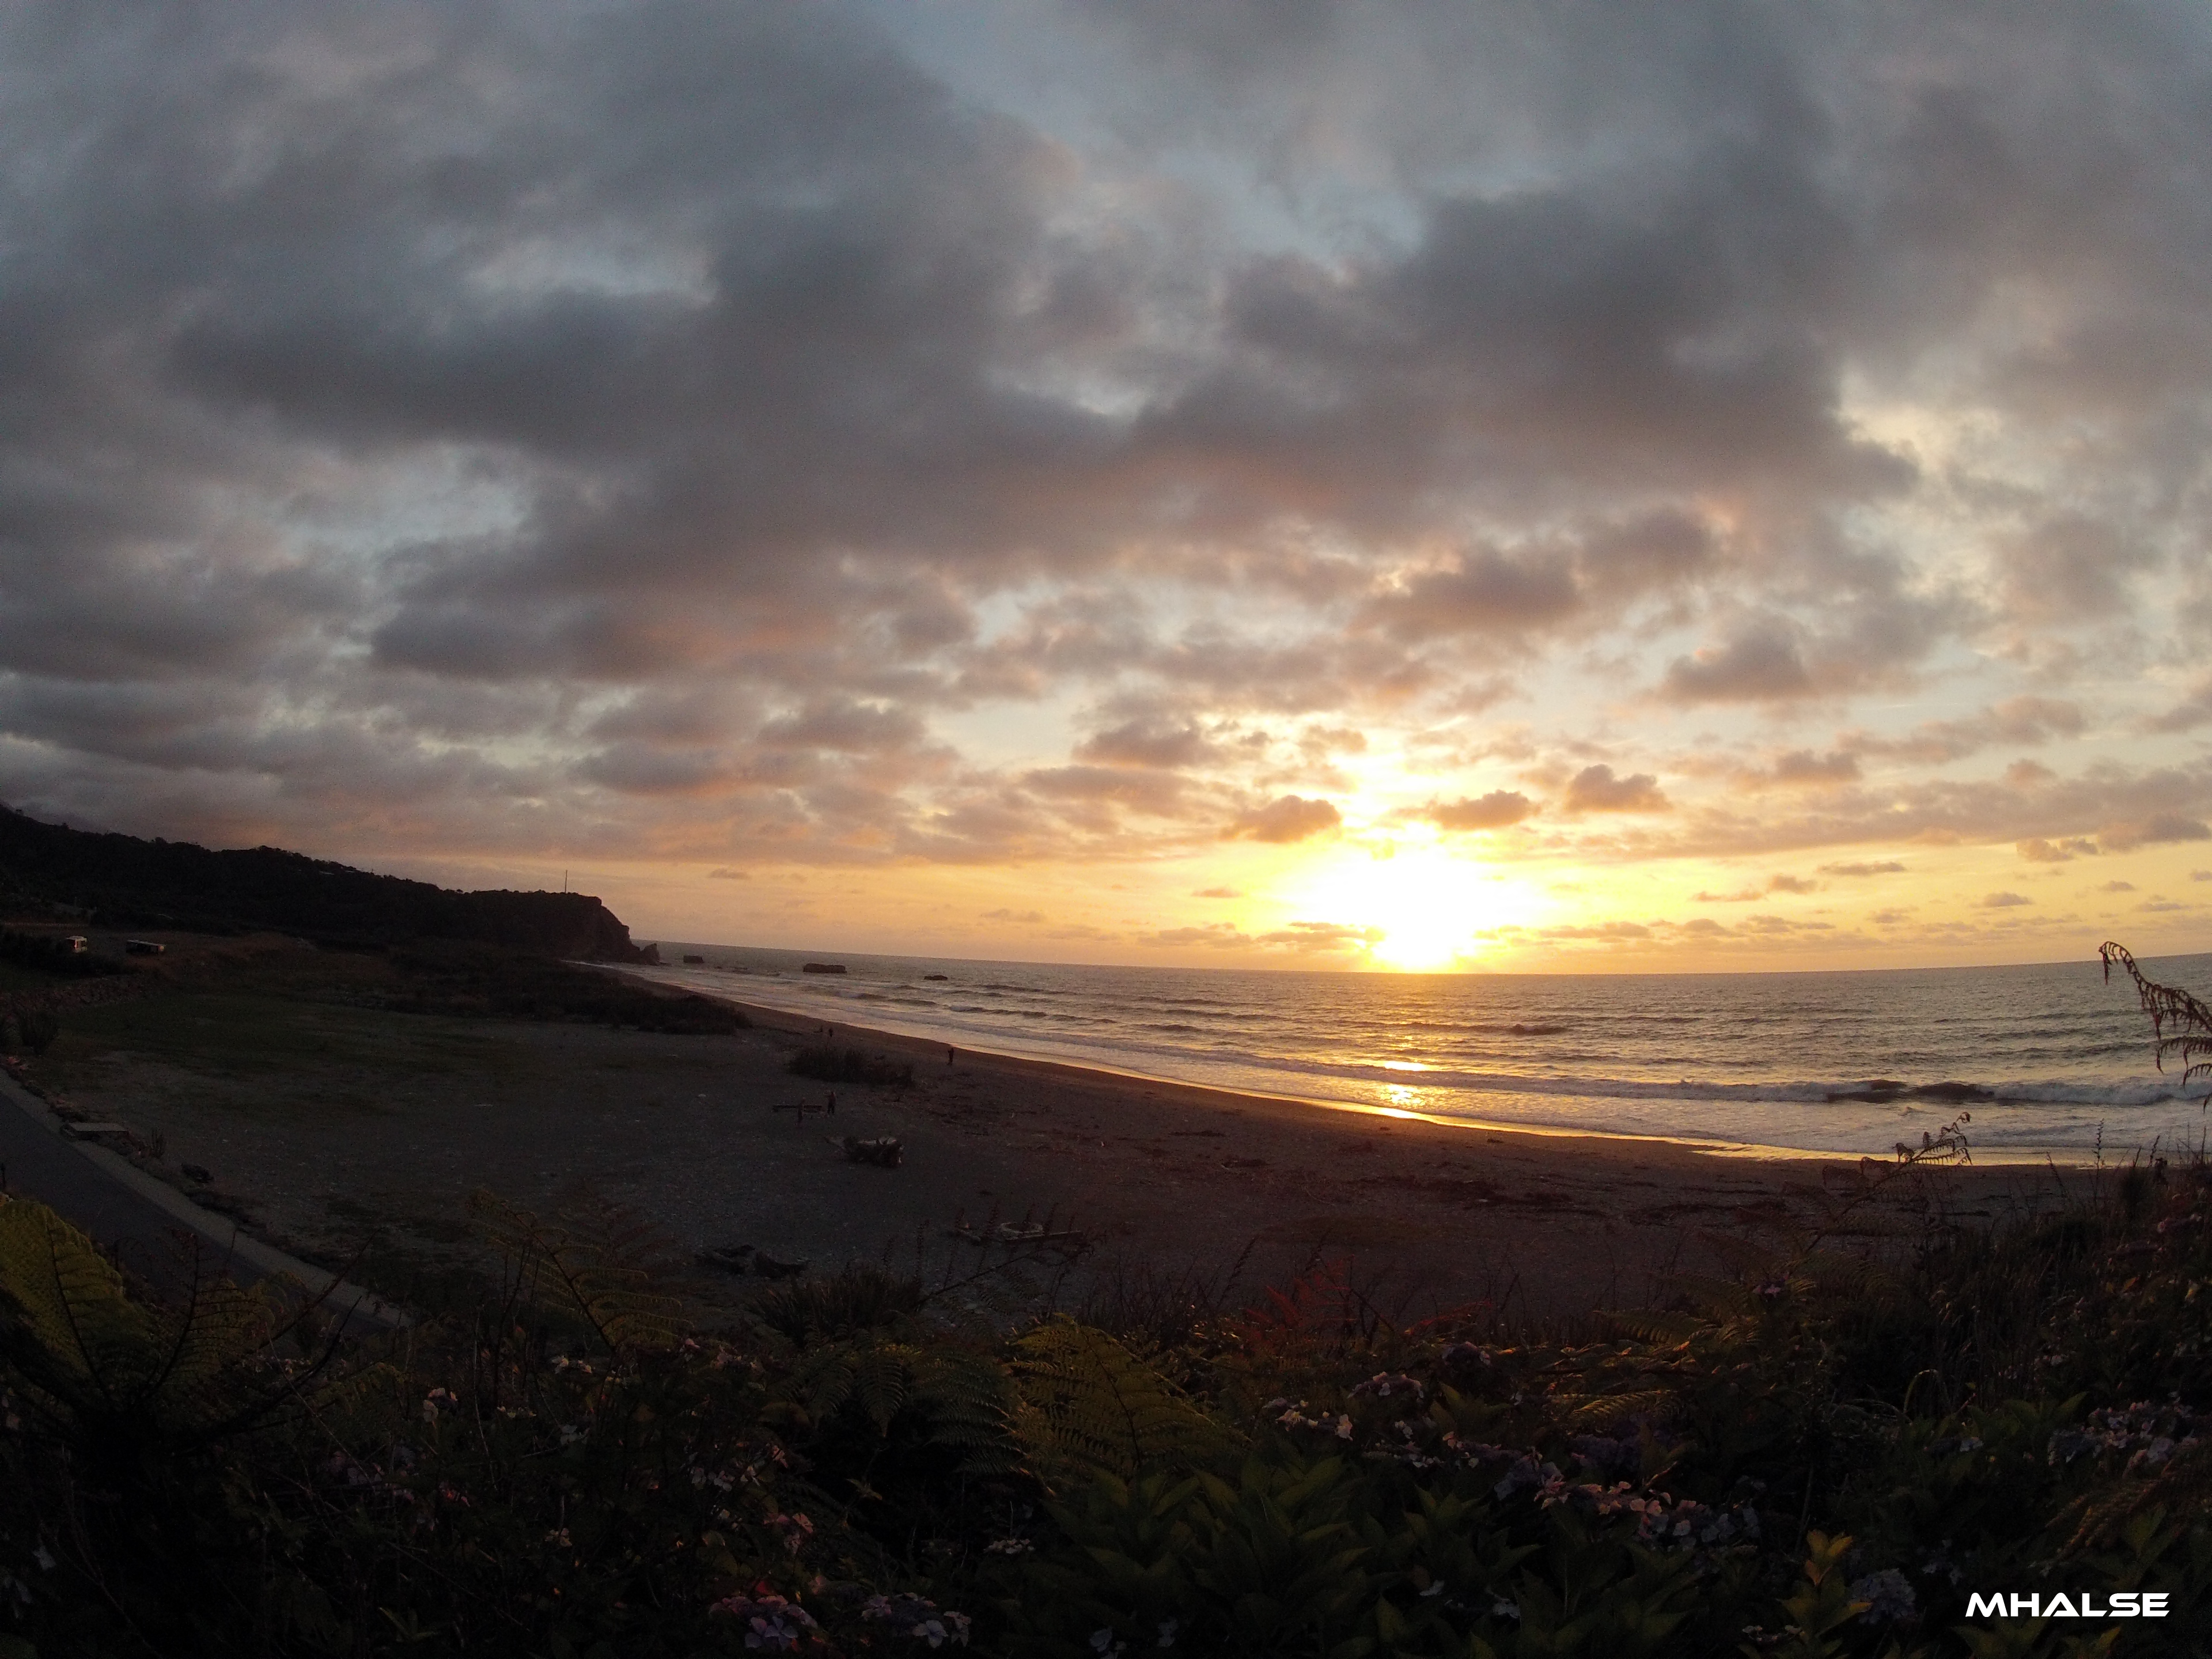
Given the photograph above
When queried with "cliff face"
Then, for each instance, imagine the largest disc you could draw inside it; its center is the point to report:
(123, 881)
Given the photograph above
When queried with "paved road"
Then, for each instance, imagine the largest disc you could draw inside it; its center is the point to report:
(150, 1225)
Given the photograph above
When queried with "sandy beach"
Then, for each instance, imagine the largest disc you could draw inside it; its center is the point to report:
(373, 1127)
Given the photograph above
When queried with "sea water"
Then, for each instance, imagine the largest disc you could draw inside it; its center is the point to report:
(2051, 1061)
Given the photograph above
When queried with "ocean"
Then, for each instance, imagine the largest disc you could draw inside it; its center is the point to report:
(2050, 1059)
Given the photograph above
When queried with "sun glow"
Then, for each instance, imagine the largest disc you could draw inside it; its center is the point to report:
(1427, 903)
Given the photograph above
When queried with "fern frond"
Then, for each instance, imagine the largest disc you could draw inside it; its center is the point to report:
(969, 1400)
(1597, 1409)
(1088, 1402)
(2180, 1025)
(75, 1333)
(880, 1373)
(1656, 1326)
(599, 1262)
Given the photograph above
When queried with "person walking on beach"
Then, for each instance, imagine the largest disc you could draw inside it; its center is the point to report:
(948, 1056)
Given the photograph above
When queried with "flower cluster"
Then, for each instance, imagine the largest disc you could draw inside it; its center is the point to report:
(2151, 1434)
(796, 1530)
(770, 1621)
(1296, 1416)
(1388, 1385)
(918, 1617)
(1889, 1597)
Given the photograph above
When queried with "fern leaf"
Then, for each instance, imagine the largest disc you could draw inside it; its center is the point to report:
(599, 1262)
(1088, 1402)
(75, 1334)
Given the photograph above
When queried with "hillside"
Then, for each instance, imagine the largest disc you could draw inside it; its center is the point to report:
(123, 881)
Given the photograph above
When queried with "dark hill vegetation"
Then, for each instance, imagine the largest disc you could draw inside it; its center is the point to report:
(125, 882)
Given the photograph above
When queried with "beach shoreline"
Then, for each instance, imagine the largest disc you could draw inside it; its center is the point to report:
(1551, 1223)
(338, 1127)
(776, 1016)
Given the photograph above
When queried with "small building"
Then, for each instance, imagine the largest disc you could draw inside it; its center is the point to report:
(75, 945)
(143, 947)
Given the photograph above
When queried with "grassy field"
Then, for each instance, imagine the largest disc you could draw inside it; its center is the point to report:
(236, 1044)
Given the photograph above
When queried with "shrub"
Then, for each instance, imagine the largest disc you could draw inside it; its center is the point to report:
(832, 1064)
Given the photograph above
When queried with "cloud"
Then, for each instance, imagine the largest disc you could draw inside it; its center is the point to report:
(1034, 918)
(1859, 867)
(2191, 712)
(2023, 720)
(1610, 933)
(1804, 769)
(1217, 893)
(1148, 743)
(1286, 818)
(1774, 883)
(1495, 810)
(2005, 901)
(2157, 831)
(843, 723)
(1595, 789)
(1299, 938)
(2117, 887)
(1760, 663)
(2037, 850)
(746, 435)
(2069, 567)
(1220, 935)
(724, 873)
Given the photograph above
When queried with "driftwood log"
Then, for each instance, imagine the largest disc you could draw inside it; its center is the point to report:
(888, 1152)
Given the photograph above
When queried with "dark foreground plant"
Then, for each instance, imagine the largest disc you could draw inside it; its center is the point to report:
(1823, 1451)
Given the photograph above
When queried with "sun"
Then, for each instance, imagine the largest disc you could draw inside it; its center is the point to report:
(1427, 903)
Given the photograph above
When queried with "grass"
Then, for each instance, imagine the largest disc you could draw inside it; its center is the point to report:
(271, 1057)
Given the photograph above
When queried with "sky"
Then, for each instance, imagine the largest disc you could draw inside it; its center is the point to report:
(1244, 483)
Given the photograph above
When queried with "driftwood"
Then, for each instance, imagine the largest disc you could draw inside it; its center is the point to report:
(1068, 1239)
(888, 1152)
(742, 1259)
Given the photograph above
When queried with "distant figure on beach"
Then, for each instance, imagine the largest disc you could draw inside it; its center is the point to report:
(833, 1103)
(948, 1056)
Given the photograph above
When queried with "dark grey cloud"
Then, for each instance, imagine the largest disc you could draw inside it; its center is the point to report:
(522, 426)
(2025, 719)
(1760, 662)
(1595, 789)
(1148, 743)
(1803, 768)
